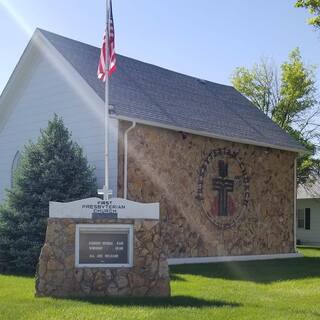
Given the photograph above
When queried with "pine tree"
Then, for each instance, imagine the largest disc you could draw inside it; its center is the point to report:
(52, 169)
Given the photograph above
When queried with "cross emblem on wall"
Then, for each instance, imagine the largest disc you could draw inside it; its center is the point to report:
(223, 185)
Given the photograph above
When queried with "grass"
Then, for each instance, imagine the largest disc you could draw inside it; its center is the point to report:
(278, 289)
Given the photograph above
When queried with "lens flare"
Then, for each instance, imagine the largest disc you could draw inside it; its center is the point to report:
(55, 59)
(12, 12)
(58, 62)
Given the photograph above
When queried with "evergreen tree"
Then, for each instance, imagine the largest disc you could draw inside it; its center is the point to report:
(52, 169)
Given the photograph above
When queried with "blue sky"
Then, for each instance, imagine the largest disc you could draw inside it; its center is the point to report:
(204, 38)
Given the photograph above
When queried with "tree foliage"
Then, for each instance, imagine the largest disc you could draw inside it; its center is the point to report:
(52, 169)
(289, 100)
(260, 85)
(313, 7)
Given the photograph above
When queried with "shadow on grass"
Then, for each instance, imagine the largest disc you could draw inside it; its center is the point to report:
(17, 274)
(170, 302)
(256, 271)
(176, 277)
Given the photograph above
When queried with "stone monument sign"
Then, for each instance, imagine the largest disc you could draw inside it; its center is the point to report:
(95, 247)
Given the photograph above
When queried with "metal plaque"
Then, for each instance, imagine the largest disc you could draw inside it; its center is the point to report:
(103, 247)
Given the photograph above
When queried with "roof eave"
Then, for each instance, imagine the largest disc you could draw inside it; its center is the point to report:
(207, 134)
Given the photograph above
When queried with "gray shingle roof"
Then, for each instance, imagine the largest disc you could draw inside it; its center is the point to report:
(311, 191)
(149, 93)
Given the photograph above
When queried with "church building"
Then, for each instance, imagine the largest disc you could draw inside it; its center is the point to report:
(223, 172)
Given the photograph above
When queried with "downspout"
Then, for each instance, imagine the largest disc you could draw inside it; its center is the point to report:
(295, 205)
(125, 175)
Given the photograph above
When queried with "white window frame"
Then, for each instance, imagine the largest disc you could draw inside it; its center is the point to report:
(106, 228)
(303, 210)
(15, 164)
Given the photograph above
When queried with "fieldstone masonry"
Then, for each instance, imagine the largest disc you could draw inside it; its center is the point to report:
(182, 171)
(57, 275)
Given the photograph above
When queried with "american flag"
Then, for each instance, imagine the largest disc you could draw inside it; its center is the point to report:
(111, 49)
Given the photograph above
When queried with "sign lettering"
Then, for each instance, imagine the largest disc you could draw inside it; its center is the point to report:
(103, 247)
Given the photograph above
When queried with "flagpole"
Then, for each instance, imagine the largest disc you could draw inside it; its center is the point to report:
(106, 110)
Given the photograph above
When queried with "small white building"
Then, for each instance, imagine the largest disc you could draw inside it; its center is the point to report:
(308, 215)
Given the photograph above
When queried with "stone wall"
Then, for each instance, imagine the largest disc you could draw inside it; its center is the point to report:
(57, 275)
(183, 171)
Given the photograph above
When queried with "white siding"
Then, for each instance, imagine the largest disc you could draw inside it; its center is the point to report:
(46, 91)
(311, 236)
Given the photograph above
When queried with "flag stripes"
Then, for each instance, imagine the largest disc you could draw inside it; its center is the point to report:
(112, 52)
(111, 59)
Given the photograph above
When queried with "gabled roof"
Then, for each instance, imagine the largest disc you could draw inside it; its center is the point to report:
(152, 95)
(311, 191)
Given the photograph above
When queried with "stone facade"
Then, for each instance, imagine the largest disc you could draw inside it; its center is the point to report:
(193, 176)
(57, 275)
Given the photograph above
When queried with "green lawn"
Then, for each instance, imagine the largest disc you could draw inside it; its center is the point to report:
(282, 289)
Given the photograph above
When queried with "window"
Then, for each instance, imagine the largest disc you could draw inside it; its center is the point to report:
(300, 217)
(15, 164)
(304, 218)
(307, 219)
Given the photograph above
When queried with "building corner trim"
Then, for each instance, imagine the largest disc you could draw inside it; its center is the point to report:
(295, 205)
(196, 260)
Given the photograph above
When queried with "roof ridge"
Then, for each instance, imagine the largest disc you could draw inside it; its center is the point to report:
(137, 60)
(43, 31)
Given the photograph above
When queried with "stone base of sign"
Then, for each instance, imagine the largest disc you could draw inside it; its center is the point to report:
(58, 276)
